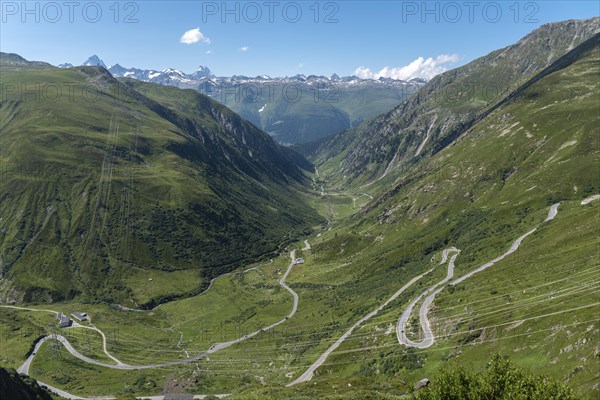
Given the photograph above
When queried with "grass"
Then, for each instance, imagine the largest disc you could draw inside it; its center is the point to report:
(527, 278)
(325, 310)
(311, 118)
(147, 284)
(56, 366)
(230, 309)
(100, 193)
(88, 343)
(481, 212)
(478, 195)
(446, 107)
(18, 331)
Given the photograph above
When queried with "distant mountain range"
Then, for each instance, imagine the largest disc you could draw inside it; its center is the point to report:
(295, 109)
(144, 193)
(175, 77)
(155, 178)
(450, 104)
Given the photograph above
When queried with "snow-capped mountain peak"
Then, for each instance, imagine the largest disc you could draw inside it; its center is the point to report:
(173, 71)
(94, 61)
(202, 72)
(203, 77)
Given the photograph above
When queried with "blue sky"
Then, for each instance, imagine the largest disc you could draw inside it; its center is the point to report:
(341, 37)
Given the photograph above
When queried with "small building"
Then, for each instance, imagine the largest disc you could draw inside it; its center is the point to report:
(63, 320)
(79, 317)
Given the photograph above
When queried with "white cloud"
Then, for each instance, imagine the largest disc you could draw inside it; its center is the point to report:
(209, 51)
(244, 48)
(194, 36)
(300, 65)
(419, 68)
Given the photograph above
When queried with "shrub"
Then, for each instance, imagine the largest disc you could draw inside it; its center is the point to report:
(501, 381)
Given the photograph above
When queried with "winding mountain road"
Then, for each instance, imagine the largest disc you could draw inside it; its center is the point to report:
(30, 309)
(104, 349)
(551, 214)
(24, 368)
(425, 326)
(424, 321)
(212, 281)
(210, 284)
(308, 374)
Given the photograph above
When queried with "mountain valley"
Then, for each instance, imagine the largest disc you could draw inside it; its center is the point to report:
(419, 239)
(297, 109)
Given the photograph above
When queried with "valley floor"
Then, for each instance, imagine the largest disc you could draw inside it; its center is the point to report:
(145, 344)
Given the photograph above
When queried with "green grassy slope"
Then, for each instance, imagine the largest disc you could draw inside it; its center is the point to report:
(301, 112)
(331, 112)
(492, 185)
(446, 107)
(538, 146)
(539, 306)
(103, 180)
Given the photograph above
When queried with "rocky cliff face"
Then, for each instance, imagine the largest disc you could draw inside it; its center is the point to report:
(21, 387)
(449, 104)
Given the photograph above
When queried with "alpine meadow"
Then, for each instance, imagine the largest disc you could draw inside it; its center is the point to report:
(364, 200)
